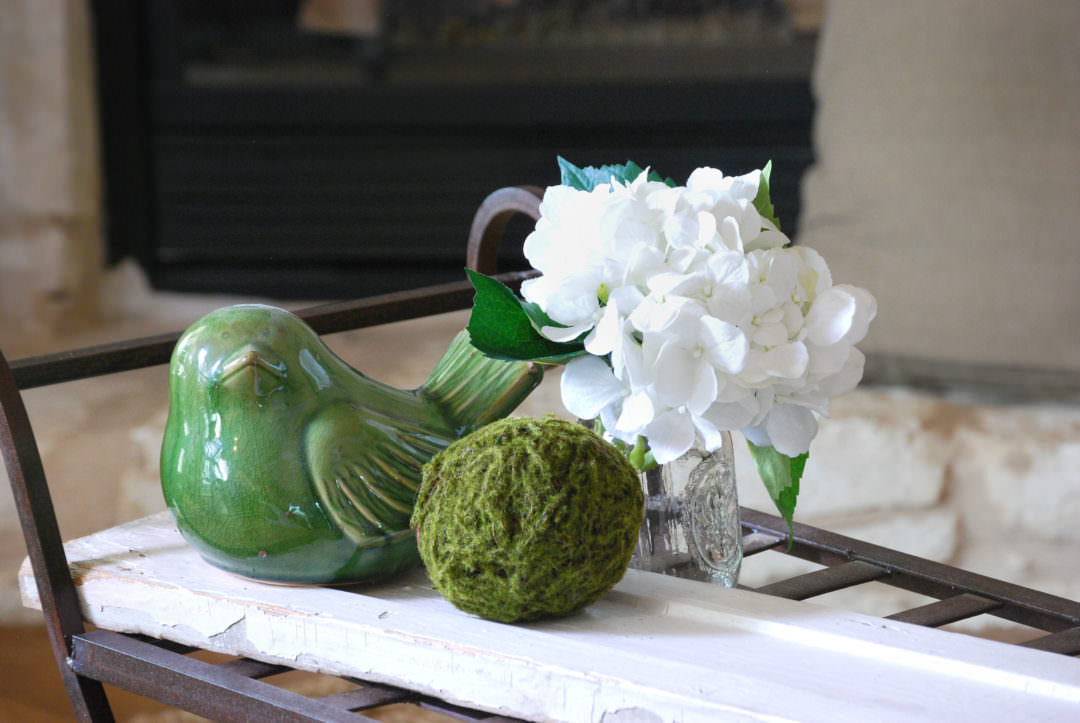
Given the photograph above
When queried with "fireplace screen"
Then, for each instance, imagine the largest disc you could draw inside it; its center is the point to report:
(338, 148)
(367, 43)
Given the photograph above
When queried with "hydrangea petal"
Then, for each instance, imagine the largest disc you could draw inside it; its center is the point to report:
(773, 334)
(745, 187)
(627, 223)
(647, 259)
(724, 343)
(674, 368)
(712, 435)
(826, 360)
(815, 274)
(847, 377)
(681, 230)
(750, 222)
(676, 283)
(712, 180)
(574, 300)
(731, 303)
(729, 267)
(663, 199)
(791, 429)
(683, 259)
(729, 416)
(732, 391)
(706, 223)
(704, 390)
(605, 334)
(588, 385)
(637, 412)
(865, 311)
(768, 239)
(792, 318)
(782, 273)
(537, 290)
(762, 298)
(766, 400)
(788, 361)
(831, 316)
(631, 363)
(670, 435)
(756, 435)
(729, 232)
(565, 333)
(654, 314)
(627, 297)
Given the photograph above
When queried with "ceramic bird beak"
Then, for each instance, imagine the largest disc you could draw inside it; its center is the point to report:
(253, 370)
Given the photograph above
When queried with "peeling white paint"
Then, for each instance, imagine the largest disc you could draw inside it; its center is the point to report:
(655, 649)
(631, 715)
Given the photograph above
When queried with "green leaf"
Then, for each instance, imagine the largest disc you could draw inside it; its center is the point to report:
(641, 457)
(762, 201)
(781, 475)
(539, 318)
(669, 181)
(501, 326)
(588, 178)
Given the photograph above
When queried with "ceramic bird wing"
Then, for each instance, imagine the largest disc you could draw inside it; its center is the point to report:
(365, 473)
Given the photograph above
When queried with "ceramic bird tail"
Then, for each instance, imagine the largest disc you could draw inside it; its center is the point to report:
(281, 462)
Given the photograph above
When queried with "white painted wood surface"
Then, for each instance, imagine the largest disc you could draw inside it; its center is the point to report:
(654, 649)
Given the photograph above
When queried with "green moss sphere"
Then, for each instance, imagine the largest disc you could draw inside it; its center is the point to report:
(527, 518)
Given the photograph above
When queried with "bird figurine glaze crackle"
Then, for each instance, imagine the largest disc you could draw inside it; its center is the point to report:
(282, 463)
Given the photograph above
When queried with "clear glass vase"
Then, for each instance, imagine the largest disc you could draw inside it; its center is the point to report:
(691, 527)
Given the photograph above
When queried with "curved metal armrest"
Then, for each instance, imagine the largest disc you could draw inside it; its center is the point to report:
(490, 221)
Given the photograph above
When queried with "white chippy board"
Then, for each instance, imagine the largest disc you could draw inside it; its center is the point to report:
(654, 649)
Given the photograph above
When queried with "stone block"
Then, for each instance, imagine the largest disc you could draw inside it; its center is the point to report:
(875, 453)
(1049, 567)
(50, 271)
(1018, 473)
(50, 189)
(48, 136)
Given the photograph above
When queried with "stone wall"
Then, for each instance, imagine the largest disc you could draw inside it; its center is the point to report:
(50, 188)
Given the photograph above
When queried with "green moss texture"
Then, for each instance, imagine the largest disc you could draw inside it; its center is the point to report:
(527, 518)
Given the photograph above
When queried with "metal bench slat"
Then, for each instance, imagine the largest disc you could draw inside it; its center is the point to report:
(949, 610)
(1066, 642)
(829, 579)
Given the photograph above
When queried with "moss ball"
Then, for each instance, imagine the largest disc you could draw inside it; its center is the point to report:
(527, 518)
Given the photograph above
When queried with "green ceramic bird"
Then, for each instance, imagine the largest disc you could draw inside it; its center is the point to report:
(281, 462)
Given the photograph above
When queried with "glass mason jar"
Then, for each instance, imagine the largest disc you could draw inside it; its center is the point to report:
(691, 527)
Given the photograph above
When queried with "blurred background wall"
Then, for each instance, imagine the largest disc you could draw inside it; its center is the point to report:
(51, 243)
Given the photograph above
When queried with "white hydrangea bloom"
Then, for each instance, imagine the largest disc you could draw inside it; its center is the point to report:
(698, 315)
